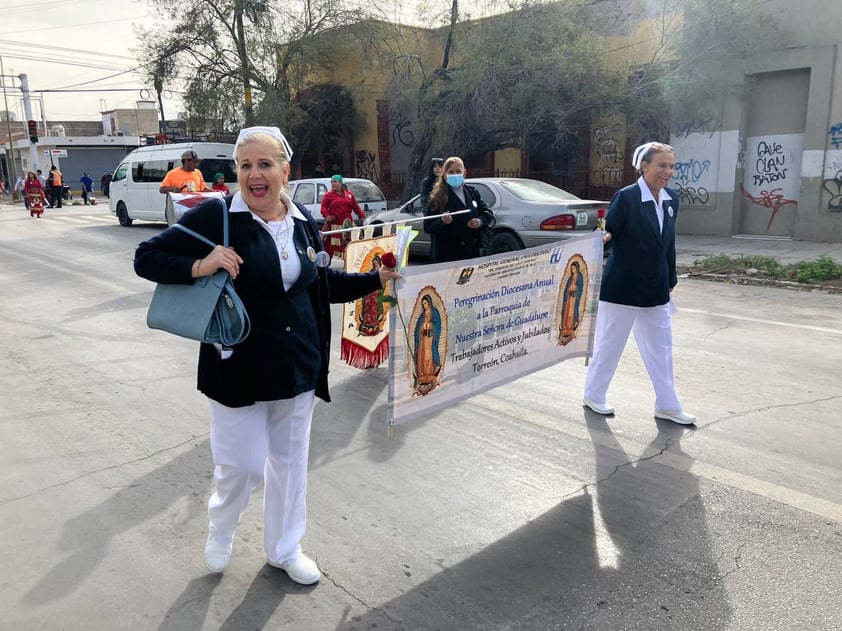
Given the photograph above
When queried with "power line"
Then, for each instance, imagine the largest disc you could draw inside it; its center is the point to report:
(77, 64)
(63, 49)
(63, 26)
(29, 6)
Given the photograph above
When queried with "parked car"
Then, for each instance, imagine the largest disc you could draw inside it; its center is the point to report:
(528, 213)
(310, 192)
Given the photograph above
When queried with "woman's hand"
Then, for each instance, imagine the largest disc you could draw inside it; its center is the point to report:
(387, 274)
(446, 219)
(219, 258)
(475, 223)
(606, 238)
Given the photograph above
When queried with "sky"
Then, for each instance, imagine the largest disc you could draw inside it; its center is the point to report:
(88, 45)
(93, 40)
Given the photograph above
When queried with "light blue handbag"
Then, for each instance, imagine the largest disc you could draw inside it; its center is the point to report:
(209, 310)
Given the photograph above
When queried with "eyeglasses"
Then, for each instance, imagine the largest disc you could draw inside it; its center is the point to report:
(437, 162)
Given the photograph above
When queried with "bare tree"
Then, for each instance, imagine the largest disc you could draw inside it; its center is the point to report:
(210, 46)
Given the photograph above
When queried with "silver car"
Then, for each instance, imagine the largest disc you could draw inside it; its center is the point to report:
(528, 213)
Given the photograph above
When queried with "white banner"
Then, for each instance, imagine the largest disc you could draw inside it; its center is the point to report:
(459, 329)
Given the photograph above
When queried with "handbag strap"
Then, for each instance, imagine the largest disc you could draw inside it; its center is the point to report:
(193, 233)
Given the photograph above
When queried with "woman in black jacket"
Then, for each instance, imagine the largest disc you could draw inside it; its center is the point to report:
(456, 237)
(261, 390)
(434, 173)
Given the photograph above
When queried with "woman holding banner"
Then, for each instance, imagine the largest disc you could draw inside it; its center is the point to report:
(455, 237)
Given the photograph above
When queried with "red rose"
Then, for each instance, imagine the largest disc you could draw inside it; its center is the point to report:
(600, 213)
(389, 260)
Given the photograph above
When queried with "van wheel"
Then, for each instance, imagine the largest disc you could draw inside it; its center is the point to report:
(378, 231)
(123, 215)
(505, 242)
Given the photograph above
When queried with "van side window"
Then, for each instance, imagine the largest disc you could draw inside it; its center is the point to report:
(304, 193)
(153, 171)
(120, 173)
(321, 194)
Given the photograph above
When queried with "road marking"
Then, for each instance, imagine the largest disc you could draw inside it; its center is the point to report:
(789, 325)
(82, 219)
(68, 219)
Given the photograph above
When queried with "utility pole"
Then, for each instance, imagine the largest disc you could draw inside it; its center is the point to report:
(10, 157)
(27, 111)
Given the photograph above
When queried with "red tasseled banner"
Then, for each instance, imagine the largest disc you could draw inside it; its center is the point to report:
(359, 357)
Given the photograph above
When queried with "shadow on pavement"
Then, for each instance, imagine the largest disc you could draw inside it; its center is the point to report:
(265, 594)
(630, 552)
(85, 539)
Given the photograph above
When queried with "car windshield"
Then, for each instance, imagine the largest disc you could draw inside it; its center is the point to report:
(535, 191)
(366, 192)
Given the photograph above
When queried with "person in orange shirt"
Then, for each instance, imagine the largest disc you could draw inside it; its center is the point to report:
(185, 179)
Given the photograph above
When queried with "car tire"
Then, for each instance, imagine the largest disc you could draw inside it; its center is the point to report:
(378, 230)
(123, 215)
(505, 242)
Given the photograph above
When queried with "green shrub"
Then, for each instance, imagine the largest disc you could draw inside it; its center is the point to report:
(823, 268)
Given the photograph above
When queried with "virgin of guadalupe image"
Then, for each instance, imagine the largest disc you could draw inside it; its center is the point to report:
(428, 328)
(572, 301)
(372, 309)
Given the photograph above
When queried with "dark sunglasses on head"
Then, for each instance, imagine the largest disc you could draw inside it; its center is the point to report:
(437, 162)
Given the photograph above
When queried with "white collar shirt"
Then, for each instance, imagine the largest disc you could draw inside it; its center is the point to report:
(646, 196)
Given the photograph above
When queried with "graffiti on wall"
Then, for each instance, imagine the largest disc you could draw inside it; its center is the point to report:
(367, 166)
(834, 187)
(774, 200)
(609, 164)
(769, 163)
(401, 129)
(706, 126)
(835, 135)
(697, 146)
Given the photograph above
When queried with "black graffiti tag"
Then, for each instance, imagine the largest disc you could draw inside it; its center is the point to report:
(770, 164)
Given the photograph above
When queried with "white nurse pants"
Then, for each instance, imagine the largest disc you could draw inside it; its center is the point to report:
(653, 333)
(266, 442)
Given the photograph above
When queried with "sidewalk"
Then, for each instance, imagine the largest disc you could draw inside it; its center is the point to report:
(690, 248)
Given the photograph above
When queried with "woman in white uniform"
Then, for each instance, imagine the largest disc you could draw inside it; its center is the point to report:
(636, 284)
(262, 390)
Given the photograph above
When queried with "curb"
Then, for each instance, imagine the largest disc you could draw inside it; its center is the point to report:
(740, 279)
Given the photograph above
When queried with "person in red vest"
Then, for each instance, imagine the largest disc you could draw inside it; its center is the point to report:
(338, 207)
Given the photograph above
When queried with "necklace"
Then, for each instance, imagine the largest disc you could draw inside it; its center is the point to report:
(283, 235)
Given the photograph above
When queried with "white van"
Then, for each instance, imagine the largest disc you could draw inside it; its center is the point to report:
(134, 186)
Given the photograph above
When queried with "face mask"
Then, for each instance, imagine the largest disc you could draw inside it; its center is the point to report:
(455, 180)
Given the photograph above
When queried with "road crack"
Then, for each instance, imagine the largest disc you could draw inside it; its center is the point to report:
(365, 604)
(57, 485)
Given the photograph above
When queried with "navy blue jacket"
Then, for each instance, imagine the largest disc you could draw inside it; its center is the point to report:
(288, 348)
(456, 241)
(641, 267)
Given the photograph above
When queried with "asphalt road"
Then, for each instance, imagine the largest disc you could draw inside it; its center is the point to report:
(516, 510)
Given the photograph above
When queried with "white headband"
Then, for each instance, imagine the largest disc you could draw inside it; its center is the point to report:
(642, 150)
(272, 131)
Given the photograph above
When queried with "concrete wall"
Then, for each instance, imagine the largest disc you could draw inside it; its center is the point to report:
(750, 166)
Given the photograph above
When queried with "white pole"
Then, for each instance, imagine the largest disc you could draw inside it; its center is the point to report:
(27, 110)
